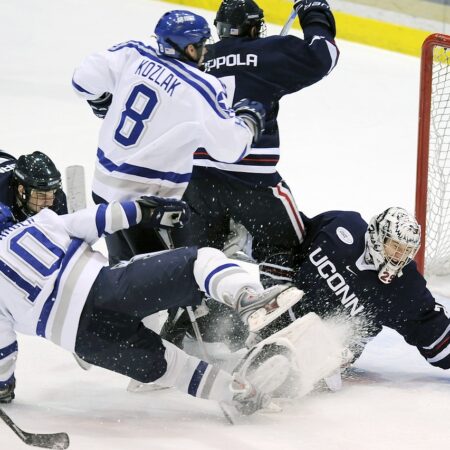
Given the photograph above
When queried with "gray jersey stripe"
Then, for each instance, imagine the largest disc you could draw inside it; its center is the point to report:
(66, 296)
(209, 382)
(116, 217)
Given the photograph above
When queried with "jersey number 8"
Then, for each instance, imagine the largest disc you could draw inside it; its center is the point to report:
(139, 107)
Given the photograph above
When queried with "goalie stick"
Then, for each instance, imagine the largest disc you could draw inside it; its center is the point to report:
(75, 188)
(76, 200)
(53, 440)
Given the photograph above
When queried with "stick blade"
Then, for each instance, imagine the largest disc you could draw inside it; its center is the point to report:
(55, 441)
(52, 440)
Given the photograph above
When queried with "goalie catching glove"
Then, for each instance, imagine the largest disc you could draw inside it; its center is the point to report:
(253, 114)
(158, 212)
(315, 12)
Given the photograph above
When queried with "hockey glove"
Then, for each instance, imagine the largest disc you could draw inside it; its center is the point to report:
(253, 114)
(315, 11)
(7, 392)
(160, 212)
(101, 105)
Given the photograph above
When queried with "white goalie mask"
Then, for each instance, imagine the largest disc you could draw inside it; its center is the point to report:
(392, 241)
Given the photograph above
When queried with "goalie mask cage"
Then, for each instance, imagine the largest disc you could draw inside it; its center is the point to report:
(433, 159)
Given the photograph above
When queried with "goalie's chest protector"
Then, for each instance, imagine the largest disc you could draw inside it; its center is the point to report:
(337, 280)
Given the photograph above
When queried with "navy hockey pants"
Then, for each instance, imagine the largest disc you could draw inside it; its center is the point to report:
(268, 212)
(111, 334)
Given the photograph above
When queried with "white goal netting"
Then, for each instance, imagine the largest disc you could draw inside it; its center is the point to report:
(435, 101)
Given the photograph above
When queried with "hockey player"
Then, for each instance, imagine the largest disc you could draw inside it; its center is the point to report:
(264, 69)
(158, 108)
(55, 286)
(363, 273)
(29, 184)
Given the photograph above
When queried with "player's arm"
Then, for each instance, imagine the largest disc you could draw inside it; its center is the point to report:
(96, 77)
(296, 63)
(228, 134)
(429, 329)
(92, 223)
(8, 356)
(435, 343)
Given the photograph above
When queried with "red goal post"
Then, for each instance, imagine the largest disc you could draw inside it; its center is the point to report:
(433, 158)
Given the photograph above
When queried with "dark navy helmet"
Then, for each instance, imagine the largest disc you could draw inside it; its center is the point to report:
(37, 173)
(238, 18)
(177, 29)
(6, 217)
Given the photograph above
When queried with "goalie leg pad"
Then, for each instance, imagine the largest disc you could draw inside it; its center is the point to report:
(267, 365)
(317, 351)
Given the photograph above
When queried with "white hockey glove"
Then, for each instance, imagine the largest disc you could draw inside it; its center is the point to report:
(164, 213)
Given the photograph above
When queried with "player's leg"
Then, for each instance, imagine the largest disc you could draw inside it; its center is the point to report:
(147, 284)
(209, 224)
(226, 281)
(271, 217)
(122, 344)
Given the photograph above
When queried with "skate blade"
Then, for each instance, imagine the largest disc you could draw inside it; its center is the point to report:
(81, 362)
(261, 317)
(137, 386)
(229, 412)
(271, 408)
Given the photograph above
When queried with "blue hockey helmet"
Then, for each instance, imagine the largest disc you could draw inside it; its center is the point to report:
(177, 29)
(6, 217)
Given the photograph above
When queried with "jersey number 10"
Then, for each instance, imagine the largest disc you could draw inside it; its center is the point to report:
(31, 248)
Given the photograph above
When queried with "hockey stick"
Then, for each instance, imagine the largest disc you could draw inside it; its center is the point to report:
(75, 188)
(166, 239)
(54, 440)
(76, 200)
(287, 26)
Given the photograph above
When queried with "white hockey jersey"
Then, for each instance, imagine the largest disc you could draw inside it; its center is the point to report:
(162, 110)
(47, 268)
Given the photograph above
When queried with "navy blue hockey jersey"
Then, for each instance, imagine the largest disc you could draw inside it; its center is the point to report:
(8, 194)
(337, 280)
(265, 70)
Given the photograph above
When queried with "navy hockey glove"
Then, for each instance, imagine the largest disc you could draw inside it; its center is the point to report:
(315, 11)
(7, 392)
(160, 212)
(101, 105)
(254, 115)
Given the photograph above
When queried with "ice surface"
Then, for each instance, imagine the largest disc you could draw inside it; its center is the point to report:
(348, 142)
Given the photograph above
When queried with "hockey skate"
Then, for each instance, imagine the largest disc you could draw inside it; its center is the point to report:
(258, 310)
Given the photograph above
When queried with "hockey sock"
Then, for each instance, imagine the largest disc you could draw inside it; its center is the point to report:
(221, 278)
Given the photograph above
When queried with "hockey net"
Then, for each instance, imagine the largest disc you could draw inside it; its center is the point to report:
(433, 161)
